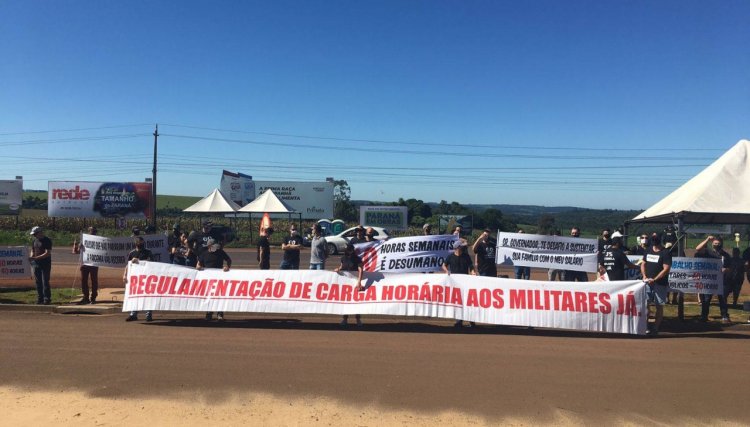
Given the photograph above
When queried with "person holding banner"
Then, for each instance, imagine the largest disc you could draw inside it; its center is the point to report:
(715, 251)
(459, 262)
(522, 273)
(214, 257)
(351, 262)
(183, 254)
(318, 252)
(41, 263)
(139, 253)
(86, 272)
(484, 254)
(655, 271)
(572, 275)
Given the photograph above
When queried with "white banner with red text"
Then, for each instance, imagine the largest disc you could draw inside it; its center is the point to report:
(14, 262)
(414, 254)
(103, 251)
(555, 252)
(618, 307)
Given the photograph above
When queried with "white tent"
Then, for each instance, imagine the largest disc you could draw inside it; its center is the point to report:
(216, 202)
(267, 203)
(720, 194)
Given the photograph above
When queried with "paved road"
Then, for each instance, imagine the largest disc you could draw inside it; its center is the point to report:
(697, 377)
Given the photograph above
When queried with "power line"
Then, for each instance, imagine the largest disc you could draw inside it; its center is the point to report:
(424, 153)
(73, 130)
(422, 144)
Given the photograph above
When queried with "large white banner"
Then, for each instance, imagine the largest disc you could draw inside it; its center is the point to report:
(415, 254)
(14, 262)
(388, 217)
(597, 307)
(99, 199)
(555, 252)
(11, 196)
(103, 251)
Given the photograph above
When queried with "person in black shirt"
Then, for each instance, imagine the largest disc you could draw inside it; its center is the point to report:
(214, 257)
(89, 271)
(291, 247)
(572, 275)
(359, 236)
(484, 254)
(655, 271)
(41, 263)
(614, 261)
(716, 251)
(642, 247)
(264, 249)
(139, 253)
(183, 254)
(459, 262)
(351, 262)
(198, 240)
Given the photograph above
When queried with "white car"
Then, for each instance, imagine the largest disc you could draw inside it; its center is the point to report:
(337, 244)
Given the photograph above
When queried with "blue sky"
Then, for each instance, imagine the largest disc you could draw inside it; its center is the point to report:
(583, 103)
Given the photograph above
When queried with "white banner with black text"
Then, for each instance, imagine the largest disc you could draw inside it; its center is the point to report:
(541, 251)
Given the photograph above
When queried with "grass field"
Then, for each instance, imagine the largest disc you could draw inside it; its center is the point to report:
(28, 295)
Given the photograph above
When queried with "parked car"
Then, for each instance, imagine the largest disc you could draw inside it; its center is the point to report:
(337, 243)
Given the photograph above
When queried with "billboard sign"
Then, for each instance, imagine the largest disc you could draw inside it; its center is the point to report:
(389, 217)
(99, 199)
(11, 197)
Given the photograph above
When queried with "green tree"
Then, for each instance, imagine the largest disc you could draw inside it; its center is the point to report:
(343, 208)
(547, 224)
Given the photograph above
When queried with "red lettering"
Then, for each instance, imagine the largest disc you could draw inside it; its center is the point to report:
(424, 293)
(471, 299)
(72, 194)
(581, 301)
(604, 304)
(320, 293)
(485, 298)
(517, 299)
(400, 292)
(413, 293)
(133, 285)
(567, 301)
(387, 293)
(497, 295)
(456, 297)
(593, 302)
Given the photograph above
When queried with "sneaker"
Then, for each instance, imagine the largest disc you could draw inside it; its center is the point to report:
(220, 317)
(458, 324)
(47, 302)
(725, 319)
(84, 301)
(93, 301)
(209, 316)
(131, 318)
(652, 332)
(149, 317)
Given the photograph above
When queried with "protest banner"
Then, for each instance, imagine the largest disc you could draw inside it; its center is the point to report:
(556, 252)
(11, 196)
(415, 254)
(99, 199)
(618, 307)
(696, 276)
(388, 217)
(103, 251)
(14, 262)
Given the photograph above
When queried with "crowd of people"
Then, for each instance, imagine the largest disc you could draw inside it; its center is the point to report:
(205, 249)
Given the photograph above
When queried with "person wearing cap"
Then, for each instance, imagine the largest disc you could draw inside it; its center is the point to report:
(264, 249)
(427, 229)
(715, 250)
(198, 240)
(89, 271)
(359, 235)
(41, 264)
(459, 262)
(291, 246)
(350, 261)
(140, 253)
(318, 252)
(484, 254)
(655, 271)
(614, 261)
(135, 231)
(214, 257)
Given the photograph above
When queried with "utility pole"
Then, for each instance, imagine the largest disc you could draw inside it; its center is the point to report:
(153, 178)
